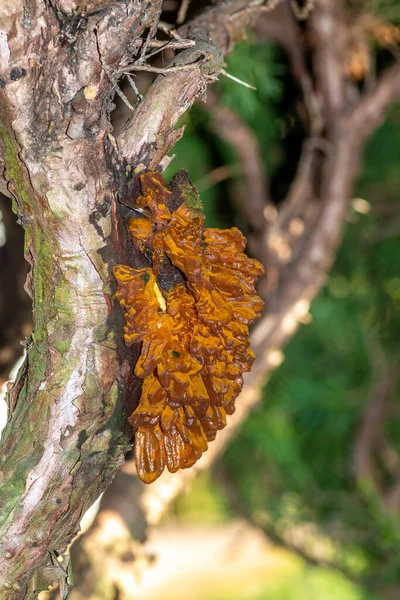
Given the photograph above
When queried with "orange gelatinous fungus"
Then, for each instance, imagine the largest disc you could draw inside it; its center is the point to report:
(191, 311)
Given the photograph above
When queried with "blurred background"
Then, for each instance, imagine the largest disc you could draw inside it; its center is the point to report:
(303, 501)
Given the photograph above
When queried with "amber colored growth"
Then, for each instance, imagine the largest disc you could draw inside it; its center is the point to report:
(195, 339)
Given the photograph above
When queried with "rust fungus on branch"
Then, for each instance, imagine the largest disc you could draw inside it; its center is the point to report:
(191, 311)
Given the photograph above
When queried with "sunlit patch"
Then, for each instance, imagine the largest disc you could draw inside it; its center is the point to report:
(160, 297)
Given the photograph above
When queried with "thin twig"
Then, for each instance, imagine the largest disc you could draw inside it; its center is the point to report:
(182, 11)
(172, 45)
(166, 70)
(115, 88)
(134, 87)
(231, 128)
(152, 33)
(257, 5)
(251, 87)
(169, 30)
(217, 176)
(121, 94)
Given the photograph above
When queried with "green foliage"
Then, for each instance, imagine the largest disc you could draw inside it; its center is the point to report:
(203, 502)
(389, 9)
(258, 65)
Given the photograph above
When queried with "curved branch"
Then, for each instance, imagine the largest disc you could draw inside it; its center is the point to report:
(370, 110)
(232, 129)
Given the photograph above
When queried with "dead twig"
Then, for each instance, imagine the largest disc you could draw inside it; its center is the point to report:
(157, 7)
(182, 11)
(163, 45)
(217, 175)
(167, 70)
(264, 6)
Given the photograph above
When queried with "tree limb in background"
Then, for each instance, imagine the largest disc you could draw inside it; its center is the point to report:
(283, 539)
(371, 442)
(253, 199)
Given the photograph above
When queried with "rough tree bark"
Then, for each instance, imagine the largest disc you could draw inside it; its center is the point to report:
(60, 61)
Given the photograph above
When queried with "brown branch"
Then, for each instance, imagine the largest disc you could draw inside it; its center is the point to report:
(166, 70)
(280, 538)
(217, 175)
(160, 45)
(156, 15)
(182, 11)
(391, 499)
(370, 110)
(371, 445)
(150, 133)
(370, 430)
(327, 36)
(282, 28)
(233, 130)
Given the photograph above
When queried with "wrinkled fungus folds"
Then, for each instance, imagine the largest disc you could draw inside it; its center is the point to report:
(194, 335)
